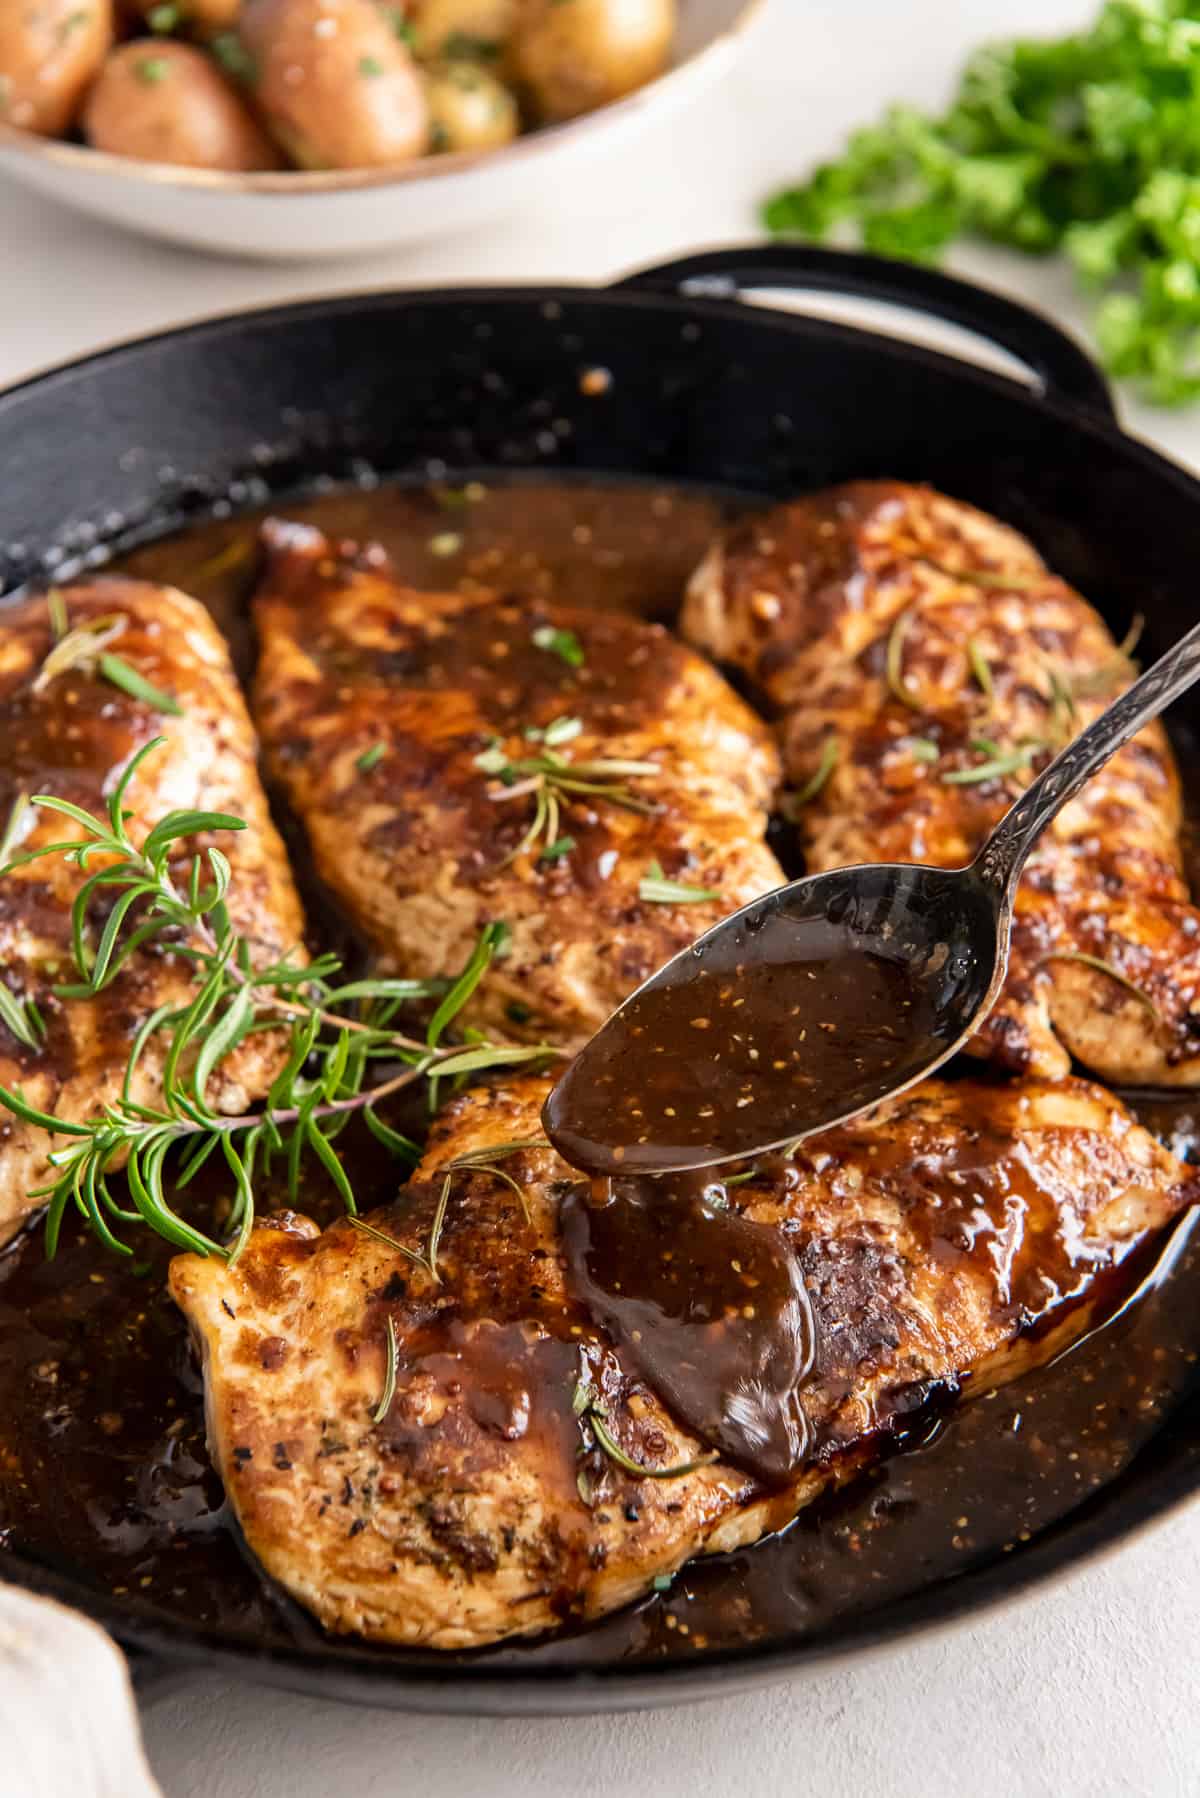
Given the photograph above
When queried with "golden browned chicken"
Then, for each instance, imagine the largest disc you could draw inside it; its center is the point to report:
(427, 1438)
(68, 730)
(926, 664)
(457, 761)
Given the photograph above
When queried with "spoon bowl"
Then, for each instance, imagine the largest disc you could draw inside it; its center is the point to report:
(883, 967)
(827, 996)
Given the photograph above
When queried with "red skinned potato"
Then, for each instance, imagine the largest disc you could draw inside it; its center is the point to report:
(335, 84)
(49, 52)
(570, 56)
(200, 17)
(156, 100)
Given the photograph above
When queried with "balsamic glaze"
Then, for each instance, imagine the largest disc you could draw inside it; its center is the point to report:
(103, 1470)
(709, 1307)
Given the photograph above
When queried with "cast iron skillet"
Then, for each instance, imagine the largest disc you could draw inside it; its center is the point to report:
(703, 389)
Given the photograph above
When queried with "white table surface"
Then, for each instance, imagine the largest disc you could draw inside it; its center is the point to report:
(1087, 1688)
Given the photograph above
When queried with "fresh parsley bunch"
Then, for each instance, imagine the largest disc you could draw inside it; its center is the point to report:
(1088, 144)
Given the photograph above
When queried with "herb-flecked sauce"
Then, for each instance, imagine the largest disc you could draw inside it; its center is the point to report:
(104, 1475)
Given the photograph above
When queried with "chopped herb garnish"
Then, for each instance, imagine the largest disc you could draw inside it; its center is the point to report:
(655, 889)
(150, 70)
(371, 758)
(663, 1582)
(446, 543)
(791, 803)
(370, 65)
(554, 852)
(389, 1379)
(1106, 968)
(922, 749)
(401, 27)
(562, 643)
(164, 19)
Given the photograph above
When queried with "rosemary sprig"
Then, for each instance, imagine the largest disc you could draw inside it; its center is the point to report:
(335, 1036)
(1105, 967)
(655, 889)
(595, 1433)
(551, 779)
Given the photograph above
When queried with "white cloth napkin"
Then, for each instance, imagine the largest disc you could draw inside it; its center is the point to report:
(68, 1725)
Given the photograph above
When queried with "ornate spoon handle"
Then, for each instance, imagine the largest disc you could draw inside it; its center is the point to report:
(1003, 855)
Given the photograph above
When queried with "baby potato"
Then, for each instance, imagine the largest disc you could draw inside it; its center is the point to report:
(468, 108)
(202, 16)
(335, 85)
(571, 56)
(161, 101)
(49, 52)
(460, 28)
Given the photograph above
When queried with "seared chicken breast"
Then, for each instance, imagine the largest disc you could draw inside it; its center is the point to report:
(463, 760)
(925, 664)
(70, 731)
(406, 1415)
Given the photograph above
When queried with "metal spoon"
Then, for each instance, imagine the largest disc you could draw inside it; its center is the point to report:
(885, 968)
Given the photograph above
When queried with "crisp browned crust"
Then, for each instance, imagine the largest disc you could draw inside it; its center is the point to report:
(419, 848)
(72, 738)
(932, 1235)
(807, 599)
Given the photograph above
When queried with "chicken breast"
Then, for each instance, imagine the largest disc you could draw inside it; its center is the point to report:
(453, 1488)
(71, 734)
(926, 652)
(457, 761)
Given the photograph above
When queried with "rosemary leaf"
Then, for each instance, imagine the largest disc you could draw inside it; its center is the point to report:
(655, 889)
(894, 662)
(20, 820)
(389, 1379)
(78, 648)
(922, 749)
(371, 758)
(792, 803)
(120, 674)
(14, 1014)
(638, 1469)
(1105, 967)
(980, 667)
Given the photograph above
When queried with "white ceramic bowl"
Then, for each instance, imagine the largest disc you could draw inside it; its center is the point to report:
(350, 212)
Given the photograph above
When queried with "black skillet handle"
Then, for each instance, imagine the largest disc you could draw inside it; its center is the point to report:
(1063, 369)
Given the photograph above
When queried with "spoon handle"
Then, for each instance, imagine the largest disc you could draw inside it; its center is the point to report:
(1003, 855)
